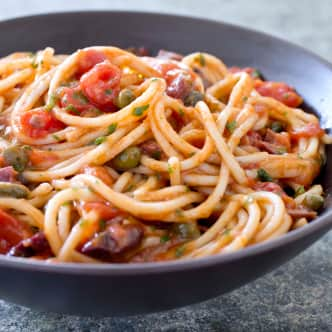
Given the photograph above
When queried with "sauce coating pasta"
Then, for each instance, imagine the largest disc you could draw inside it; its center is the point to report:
(111, 156)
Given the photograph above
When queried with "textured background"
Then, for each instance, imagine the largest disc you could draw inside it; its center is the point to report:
(295, 297)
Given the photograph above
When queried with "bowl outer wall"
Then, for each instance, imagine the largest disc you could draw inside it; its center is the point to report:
(141, 288)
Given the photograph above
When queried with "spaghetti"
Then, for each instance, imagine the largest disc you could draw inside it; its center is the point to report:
(108, 156)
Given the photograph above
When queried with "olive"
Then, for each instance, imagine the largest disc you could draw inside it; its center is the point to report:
(124, 98)
(127, 159)
(277, 126)
(314, 202)
(193, 98)
(13, 190)
(17, 157)
(186, 230)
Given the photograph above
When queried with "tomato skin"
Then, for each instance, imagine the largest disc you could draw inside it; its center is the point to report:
(104, 210)
(39, 123)
(88, 59)
(307, 131)
(12, 232)
(100, 172)
(101, 85)
(279, 91)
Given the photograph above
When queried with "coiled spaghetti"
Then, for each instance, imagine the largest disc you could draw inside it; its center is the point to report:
(108, 156)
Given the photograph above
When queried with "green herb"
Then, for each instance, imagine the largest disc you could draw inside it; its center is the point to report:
(181, 112)
(83, 222)
(277, 126)
(108, 91)
(179, 251)
(112, 128)
(96, 111)
(73, 109)
(231, 125)
(78, 95)
(179, 212)
(192, 154)
(102, 224)
(201, 59)
(226, 232)
(56, 137)
(138, 111)
(27, 147)
(255, 74)
(99, 140)
(34, 64)
(299, 191)
(164, 238)
(188, 189)
(156, 154)
(263, 175)
(245, 98)
(154, 79)
(66, 203)
(281, 150)
(52, 102)
(285, 95)
(170, 169)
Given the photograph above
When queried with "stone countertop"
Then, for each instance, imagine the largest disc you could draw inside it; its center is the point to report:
(295, 297)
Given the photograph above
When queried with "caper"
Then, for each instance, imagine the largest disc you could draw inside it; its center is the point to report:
(193, 97)
(127, 159)
(124, 98)
(186, 230)
(314, 202)
(277, 126)
(13, 190)
(17, 157)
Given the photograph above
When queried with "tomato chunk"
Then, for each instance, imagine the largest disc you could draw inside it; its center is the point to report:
(88, 59)
(101, 85)
(279, 91)
(104, 210)
(12, 232)
(307, 131)
(100, 172)
(74, 100)
(39, 123)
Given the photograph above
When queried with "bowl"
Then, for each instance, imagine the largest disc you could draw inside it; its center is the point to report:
(126, 289)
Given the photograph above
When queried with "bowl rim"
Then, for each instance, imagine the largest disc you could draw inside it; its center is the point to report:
(323, 221)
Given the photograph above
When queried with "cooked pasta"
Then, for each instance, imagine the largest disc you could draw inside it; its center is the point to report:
(112, 156)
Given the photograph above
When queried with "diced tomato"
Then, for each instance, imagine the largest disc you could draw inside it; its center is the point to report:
(249, 70)
(104, 210)
(39, 123)
(88, 59)
(101, 85)
(279, 91)
(307, 131)
(74, 100)
(42, 158)
(100, 172)
(12, 232)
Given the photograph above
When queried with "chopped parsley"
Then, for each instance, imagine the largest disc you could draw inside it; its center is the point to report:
(99, 140)
(138, 111)
(170, 169)
(108, 91)
(226, 232)
(285, 95)
(255, 74)
(245, 98)
(281, 150)
(56, 137)
(179, 251)
(231, 125)
(156, 154)
(112, 128)
(51, 103)
(201, 59)
(78, 95)
(263, 175)
(71, 108)
(102, 224)
(164, 238)
(83, 222)
(299, 191)
(181, 112)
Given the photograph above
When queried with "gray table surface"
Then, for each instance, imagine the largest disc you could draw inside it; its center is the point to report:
(295, 297)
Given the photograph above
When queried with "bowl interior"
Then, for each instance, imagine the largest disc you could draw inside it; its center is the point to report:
(276, 59)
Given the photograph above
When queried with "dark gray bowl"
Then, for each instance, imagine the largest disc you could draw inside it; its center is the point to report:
(142, 288)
